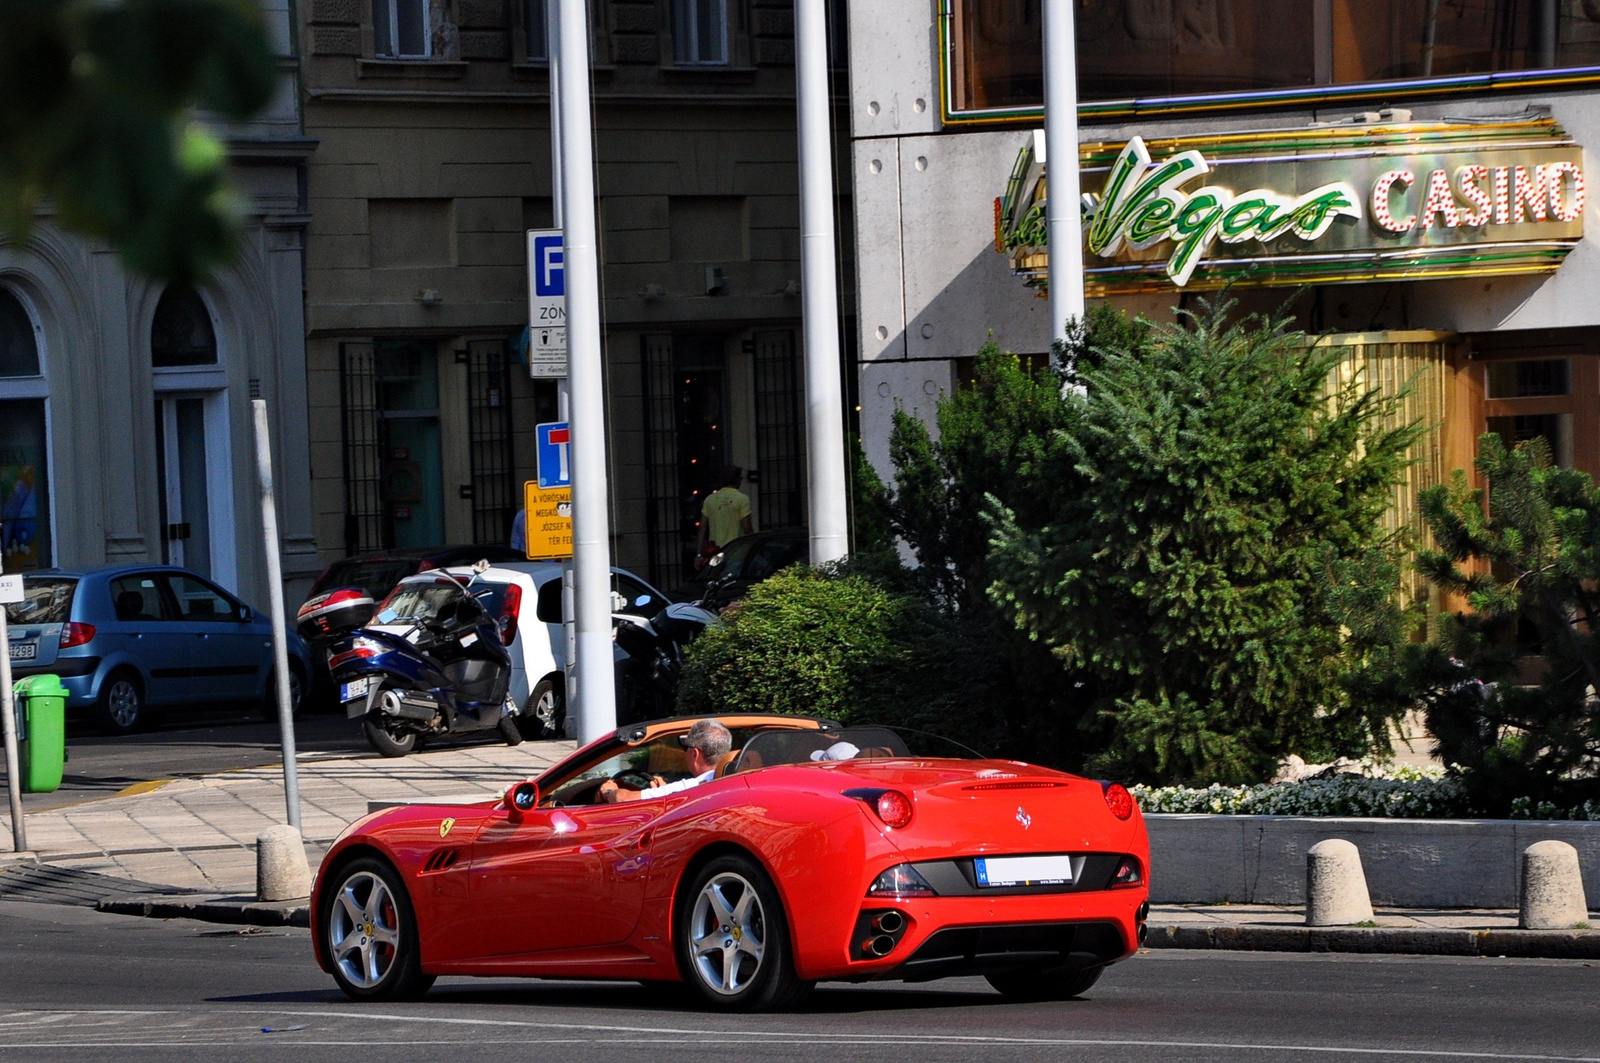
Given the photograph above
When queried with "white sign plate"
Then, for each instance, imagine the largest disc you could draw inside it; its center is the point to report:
(547, 304)
(10, 589)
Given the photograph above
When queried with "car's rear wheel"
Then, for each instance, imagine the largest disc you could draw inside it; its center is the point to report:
(389, 738)
(733, 939)
(370, 931)
(1036, 985)
(545, 713)
(121, 708)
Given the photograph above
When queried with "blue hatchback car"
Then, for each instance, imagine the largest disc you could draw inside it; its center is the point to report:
(128, 638)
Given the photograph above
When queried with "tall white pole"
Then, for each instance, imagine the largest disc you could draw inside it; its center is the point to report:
(569, 628)
(8, 720)
(819, 292)
(1062, 213)
(280, 643)
(591, 520)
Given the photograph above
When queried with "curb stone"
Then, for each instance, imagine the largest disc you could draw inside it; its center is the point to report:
(234, 911)
(1522, 944)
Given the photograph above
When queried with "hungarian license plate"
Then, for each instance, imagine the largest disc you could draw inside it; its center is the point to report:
(24, 651)
(1023, 870)
(356, 688)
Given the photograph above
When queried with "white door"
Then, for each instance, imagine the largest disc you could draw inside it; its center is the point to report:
(192, 451)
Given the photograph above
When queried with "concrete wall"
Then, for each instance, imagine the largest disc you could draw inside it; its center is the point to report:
(1199, 859)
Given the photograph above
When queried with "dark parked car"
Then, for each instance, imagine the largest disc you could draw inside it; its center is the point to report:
(377, 573)
(129, 638)
(745, 562)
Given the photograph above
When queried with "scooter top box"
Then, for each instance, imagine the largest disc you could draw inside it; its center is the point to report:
(334, 613)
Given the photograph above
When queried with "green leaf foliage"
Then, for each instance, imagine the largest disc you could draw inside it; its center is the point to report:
(841, 645)
(1185, 526)
(98, 104)
(1510, 682)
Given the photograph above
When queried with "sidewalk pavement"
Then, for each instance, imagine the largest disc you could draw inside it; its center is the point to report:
(187, 849)
(199, 834)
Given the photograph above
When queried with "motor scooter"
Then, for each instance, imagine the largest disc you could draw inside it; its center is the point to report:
(428, 661)
(650, 666)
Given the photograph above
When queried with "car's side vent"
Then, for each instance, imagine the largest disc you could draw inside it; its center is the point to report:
(442, 860)
(1019, 784)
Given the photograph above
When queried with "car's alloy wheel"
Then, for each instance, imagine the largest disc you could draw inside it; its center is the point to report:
(370, 933)
(121, 704)
(545, 713)
(297, 696)
(733, 942)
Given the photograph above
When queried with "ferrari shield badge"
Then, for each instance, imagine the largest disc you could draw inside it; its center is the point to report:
(1023, 817)
(444, 828)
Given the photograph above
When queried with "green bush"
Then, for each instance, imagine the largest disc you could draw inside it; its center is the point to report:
(840, 645)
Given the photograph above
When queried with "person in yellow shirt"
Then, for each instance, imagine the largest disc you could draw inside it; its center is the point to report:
(725, 514)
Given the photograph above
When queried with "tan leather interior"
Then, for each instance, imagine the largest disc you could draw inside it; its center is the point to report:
(725, 763)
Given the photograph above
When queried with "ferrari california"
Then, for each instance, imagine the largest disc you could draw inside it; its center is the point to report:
(814, 852)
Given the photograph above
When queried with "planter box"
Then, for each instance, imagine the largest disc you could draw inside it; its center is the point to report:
(1410, 863)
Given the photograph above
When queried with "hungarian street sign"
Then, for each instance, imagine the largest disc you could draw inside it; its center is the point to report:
(547, 304)
(11, 589)
(555, 455)
(549, 521)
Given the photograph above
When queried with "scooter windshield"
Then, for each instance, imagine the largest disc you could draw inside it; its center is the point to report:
(419, 601)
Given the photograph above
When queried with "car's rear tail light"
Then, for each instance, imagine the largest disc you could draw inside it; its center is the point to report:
(510, 610)
(1118, 799)
(901, 880)
(75, 634)
(894, 808)
(1128, 874)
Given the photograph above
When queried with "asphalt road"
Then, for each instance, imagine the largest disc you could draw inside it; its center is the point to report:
(193, 742)
(80, 985)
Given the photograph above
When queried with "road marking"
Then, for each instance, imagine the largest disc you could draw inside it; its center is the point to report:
(148, 786)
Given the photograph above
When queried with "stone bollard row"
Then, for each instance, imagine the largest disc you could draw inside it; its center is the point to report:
(282, 873)
(1336, 886)
(1552, 887)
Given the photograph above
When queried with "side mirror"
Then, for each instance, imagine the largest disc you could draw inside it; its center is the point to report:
(522, 799)
(245, 615)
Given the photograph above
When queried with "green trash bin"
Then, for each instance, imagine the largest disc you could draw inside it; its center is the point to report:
(41, 727)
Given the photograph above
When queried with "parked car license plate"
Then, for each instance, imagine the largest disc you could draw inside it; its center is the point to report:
(24, 651)
(356, 688)
(1023, 870)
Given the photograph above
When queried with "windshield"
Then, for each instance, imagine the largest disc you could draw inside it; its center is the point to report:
(45, 600)
(848, 743)
(422, 600)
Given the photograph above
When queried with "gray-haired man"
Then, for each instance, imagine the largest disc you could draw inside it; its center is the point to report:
(707, 742)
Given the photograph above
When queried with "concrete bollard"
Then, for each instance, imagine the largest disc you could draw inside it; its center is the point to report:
(1552, 887)
(282, 873)
(1336, 887)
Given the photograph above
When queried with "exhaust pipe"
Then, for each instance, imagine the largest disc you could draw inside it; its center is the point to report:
(880, 946)
(889, 923)
(393, 703)
(1144, 932)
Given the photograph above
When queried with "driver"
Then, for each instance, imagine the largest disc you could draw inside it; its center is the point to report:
(707, 742)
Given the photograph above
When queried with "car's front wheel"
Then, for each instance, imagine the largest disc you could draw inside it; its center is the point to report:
(733, 939)
(297, 695)
(121, 709)
(1037, 986)
(370, 931)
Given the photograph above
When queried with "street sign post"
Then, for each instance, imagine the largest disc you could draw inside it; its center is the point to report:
(10, 593)
(547, 305)
(554, 454)
(549, 521)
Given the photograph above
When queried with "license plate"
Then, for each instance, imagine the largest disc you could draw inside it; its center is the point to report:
(1023, 870)
(24, 651)
(356, 688)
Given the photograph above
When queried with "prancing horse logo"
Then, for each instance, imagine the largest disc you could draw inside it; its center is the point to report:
(1023, 817)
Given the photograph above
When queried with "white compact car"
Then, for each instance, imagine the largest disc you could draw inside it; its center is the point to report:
(525, 596)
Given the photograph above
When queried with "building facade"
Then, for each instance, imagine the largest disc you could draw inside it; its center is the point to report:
(434, 160)
(1419, 166)
(126, 431)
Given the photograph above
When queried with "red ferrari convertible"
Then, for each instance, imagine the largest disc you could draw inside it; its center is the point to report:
(781, 871)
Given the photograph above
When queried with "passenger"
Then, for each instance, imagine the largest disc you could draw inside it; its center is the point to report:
(707, 742)
(840, 750)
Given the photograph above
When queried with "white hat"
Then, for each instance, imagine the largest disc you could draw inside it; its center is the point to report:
(837, 751)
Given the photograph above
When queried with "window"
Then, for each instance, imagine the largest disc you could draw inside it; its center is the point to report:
(181, 334)
(201, 602)
(24, 461)
(535, 29)
(700, 32)
(138, 598)
(1530, 379)
(45, 600)
(401, 30)
(1142, 48)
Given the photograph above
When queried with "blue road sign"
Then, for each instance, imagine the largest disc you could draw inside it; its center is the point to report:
(555, 450)
(549, 267)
